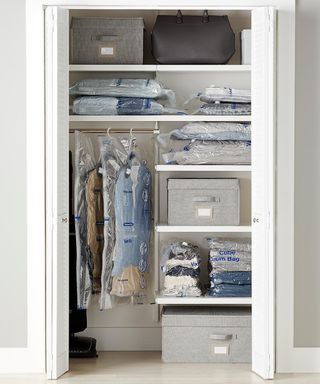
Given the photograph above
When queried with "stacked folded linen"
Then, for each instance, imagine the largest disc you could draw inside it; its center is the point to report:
(180, 262)
(230, 268)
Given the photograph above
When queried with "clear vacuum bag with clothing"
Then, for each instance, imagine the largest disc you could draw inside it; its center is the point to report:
(225, 109)
(213, 131)
(229, 255)
(113, 157)
(103, 105)
(141, 88)
(208, 152)
(230, 267)
(84, 163)
(207, 132)
(95, 225)
(180, 261)
(225, 94)
(133, 229)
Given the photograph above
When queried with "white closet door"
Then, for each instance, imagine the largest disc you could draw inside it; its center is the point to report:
(263, 62)
(57, 204)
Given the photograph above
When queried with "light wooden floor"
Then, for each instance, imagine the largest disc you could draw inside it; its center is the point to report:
(147, 368)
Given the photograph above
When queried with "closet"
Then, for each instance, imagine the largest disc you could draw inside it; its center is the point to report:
(134, 328)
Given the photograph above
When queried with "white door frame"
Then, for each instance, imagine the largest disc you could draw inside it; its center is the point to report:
(36, 154)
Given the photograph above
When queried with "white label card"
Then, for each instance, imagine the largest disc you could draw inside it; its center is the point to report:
(204, 212)
(107, 51)
(221, 350)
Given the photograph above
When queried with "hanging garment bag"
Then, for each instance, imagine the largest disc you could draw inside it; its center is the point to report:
(192, 39)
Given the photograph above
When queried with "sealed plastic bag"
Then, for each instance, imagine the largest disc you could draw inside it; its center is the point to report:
(230, 290)
(180, 261)
(113, 157)
(133, 229)
(208, 152)
(142, 88)
(85, 162)
(95, 224)
(102, 105)
(230, 277)
(230, 267)
(207, 132)
(213, 131)
(225, 94)
(179, 253)
(229, 255)
(225, 109)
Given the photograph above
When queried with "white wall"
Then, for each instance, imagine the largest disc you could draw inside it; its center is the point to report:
(13, 236)
(307, 176)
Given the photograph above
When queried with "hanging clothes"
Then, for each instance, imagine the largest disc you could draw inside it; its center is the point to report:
(85, 162)
(94, 200)
(112, 156)
(133, 229)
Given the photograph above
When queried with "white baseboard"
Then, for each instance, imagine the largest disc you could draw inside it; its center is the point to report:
(126, 338)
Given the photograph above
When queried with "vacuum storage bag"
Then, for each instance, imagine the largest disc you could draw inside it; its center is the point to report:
(225, 94)
(85, 162)
(180, 262)
(213, 131)
(103, 105)
(132, 228)
(230, 267)
(113, 157)
(225, 109)
(141, 88)
(208, 152)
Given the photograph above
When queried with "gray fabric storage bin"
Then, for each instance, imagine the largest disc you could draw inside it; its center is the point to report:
(203, 202)
(103, 40)
(206, 335)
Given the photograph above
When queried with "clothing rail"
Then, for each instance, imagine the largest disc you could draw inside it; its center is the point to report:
(116, 130)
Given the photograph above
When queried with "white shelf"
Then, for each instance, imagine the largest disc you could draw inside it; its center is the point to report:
(202, 168)
(203, 68)
(203, 229)
(129, 118)
(158, 68)
(203, 300)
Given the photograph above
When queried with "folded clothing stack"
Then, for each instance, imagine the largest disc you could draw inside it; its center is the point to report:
(180, 261)
(120, 97)
(225, 101)
(208, 143)
(230, 268)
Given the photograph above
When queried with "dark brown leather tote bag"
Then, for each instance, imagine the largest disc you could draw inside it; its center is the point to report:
(192, 39)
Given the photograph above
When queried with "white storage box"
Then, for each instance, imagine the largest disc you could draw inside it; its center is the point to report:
(246, 46)
(203, 202)
(206, 335)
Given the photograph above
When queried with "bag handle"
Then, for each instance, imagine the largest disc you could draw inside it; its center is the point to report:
(205, 17)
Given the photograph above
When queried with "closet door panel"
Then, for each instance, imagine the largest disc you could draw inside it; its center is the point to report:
(57, 182)
(263, 191)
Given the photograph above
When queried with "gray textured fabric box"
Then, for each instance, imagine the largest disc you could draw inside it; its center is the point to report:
(206, 335)
(102, 40)
(203, 201)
